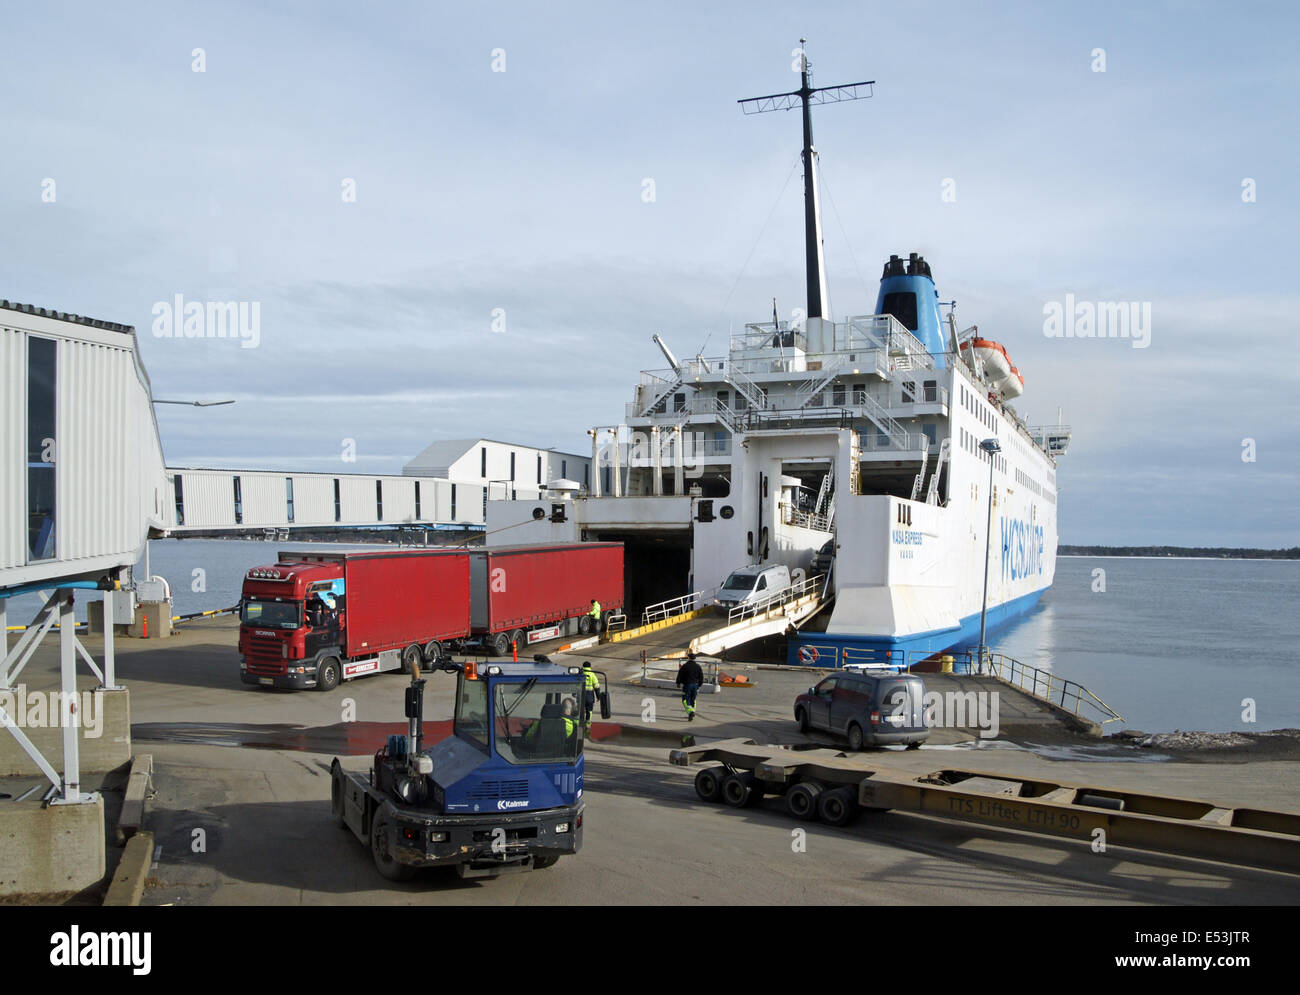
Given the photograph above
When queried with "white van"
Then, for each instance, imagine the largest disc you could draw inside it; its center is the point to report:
(751, 584)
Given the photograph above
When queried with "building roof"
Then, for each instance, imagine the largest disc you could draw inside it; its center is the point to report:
(78, 319)
(445, 452)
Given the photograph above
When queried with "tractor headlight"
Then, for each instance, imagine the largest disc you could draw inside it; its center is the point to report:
(563, 827)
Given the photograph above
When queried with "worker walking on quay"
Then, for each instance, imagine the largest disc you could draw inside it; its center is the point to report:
(689, 679)
(591, 686)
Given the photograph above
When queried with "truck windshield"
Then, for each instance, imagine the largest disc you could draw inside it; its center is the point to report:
(538, 722)
(271, 614)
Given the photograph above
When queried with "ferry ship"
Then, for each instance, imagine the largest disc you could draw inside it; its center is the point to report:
(886, 443)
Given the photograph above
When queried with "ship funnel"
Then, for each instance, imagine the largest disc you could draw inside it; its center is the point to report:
(907, 292)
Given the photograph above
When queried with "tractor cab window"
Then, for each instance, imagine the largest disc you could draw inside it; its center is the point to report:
(472, 711)
(537, 722)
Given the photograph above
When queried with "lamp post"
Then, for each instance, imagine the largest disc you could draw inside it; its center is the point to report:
(991, 447)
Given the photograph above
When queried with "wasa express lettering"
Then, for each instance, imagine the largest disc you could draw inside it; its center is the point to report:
(906, 537)
(1022, 549)
(77, 949)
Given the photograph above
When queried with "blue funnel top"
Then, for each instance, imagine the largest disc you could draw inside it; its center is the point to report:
(907, 292)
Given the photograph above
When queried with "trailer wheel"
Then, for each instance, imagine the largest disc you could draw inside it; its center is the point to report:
(838, 807)
(327, 674)
(741, 790)
(519, 639)
(541, 863)
(585, 625)
(411, 658)
(855, 737)
(380, 830)
(432, 652)
(801, 716)
(500, 644)
(801, 799)
(708, 784)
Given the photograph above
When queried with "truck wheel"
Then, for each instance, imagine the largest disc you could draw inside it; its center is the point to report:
(500, 644)
(708, 784)
(380, 830)
(412, 656)
(432, 652)
(540, 863)
(801, 799)
(838, 807)
(519, 639)
(855, 737)
(741, 790)
(801, 717)
(585, 625)
(327, 674)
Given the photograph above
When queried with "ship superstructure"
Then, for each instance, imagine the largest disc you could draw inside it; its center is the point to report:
(864, 432)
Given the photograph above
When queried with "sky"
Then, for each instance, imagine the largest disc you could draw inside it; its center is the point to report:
(469, 220)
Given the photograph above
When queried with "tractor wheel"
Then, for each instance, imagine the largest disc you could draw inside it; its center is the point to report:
(540, 863)
(380, 831)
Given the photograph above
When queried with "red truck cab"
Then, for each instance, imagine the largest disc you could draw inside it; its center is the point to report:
(289, 612)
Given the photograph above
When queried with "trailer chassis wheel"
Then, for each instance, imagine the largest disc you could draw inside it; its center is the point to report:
(500, 644)
(708, 783)
(327, 674)
(432, 652)
(585, 625)
(801, 799)
(411, 658)
(380, 831)
(742, 790)
(838, 807)
(520, 639)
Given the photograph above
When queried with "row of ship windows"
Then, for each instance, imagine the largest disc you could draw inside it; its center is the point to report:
(1025, 480)
(976, 406)
(971, 444)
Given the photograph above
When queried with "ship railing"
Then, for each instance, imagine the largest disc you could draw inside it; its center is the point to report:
(805, 587)
(666, 671)
(675, 606)
(791, 515)
(1046, 686)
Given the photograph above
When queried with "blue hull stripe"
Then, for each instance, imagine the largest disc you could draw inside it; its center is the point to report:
(933, 641)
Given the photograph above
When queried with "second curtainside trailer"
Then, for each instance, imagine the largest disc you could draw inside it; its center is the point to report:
(520, 595)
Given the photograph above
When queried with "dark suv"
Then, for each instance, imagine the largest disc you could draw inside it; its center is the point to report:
(866, 709)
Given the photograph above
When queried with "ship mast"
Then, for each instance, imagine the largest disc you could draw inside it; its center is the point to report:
(806, 96)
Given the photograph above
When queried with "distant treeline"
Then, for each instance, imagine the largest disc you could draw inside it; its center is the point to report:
(1223, 552)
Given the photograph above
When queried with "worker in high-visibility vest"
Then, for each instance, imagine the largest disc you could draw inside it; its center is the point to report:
(591, 687)
(551, 732)
(595, 615)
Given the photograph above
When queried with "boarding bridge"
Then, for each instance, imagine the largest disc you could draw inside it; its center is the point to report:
(82, 487)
